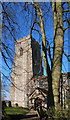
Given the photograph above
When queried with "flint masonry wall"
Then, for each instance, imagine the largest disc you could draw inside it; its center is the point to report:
(27, 55)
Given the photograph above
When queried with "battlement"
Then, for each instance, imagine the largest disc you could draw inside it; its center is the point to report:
(27, 38)
(23, 39)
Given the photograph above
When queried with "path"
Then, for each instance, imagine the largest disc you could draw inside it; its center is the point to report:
(32, 115)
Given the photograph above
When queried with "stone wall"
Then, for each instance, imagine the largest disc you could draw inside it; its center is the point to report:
(64, 88)
(24, 67)
(36, 55)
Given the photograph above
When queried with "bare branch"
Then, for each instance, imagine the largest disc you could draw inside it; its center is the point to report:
(66, 55)
(66, 10)
(8, 53)
(66, 28)
(37, 31)
(36, 21)
(63, 3)
(66, 20)
(4, 57)
(12, 83)
(9, 31)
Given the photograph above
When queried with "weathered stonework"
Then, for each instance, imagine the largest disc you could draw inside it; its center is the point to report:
(28, 75)
(26, 64)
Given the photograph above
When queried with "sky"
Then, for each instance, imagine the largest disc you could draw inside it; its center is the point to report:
(25, 20)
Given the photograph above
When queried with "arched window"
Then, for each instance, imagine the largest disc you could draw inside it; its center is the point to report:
(41, 83)
(21, 51)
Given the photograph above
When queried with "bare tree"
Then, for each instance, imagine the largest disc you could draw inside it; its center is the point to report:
(56, 63)
(39, 16)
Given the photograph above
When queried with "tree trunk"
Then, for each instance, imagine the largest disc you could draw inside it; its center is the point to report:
(46, 64)
(58, 49)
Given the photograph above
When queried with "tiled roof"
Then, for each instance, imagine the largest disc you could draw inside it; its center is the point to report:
(64, 74)
(39, 77)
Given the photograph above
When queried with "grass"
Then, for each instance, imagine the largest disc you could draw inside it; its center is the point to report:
(16, 110)
(14, 113)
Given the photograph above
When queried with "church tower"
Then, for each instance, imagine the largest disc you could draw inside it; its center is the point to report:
(26, 65)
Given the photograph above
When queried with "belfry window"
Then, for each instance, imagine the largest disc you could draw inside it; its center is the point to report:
(41, 83)
(21, 51)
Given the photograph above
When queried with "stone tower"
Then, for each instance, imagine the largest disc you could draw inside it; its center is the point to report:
(26, 65)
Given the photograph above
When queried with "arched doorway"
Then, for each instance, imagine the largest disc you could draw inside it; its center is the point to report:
(37, 103)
